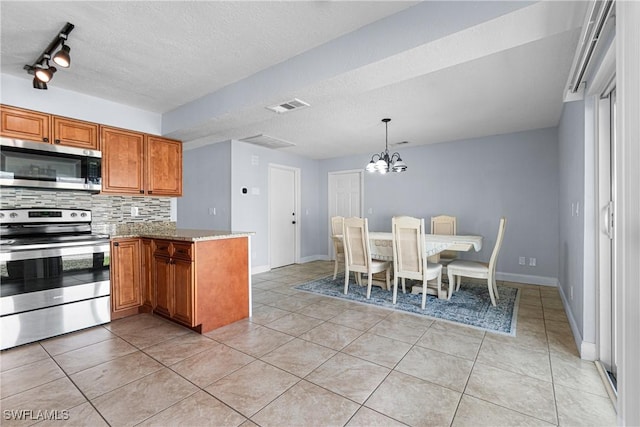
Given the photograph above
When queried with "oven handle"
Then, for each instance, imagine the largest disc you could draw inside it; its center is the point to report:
(53, 252)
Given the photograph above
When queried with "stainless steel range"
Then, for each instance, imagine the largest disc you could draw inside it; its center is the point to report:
(54, 274)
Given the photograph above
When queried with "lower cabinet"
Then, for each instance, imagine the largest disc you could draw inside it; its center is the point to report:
(202, 285)
(125, 276)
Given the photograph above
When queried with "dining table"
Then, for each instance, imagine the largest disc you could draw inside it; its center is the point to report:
(381, 248)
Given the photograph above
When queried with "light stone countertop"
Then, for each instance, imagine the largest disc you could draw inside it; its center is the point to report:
(168, 231)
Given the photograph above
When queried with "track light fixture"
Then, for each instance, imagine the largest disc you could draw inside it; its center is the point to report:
(40, 69)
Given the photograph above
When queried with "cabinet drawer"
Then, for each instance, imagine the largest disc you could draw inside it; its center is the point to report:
(182, 251)
(162, 248)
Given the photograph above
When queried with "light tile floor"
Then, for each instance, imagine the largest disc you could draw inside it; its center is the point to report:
(304, 359)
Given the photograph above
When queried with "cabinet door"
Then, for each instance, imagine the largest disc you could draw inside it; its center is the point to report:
(163, 285)
(125, 274)
(146, 283)
(183, 291)
(122, 161)
(24, 124)
(164, 166)
(75, 133)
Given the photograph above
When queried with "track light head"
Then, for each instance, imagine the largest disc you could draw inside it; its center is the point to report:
(37, 84)
(45, 74)
(62, 57)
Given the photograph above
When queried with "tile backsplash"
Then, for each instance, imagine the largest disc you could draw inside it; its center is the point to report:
(107, 211)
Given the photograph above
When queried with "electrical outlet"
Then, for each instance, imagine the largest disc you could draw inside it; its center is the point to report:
(522, 260)
(212, 211)
(532, 262)
(135, 211)
(571, 293)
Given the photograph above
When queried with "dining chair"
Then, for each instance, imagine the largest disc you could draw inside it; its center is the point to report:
(444, 224)
(338, 246)
(409, 256)
(355, 234)
(478, 270)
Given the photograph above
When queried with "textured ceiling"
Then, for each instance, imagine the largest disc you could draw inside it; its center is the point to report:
(441, 70)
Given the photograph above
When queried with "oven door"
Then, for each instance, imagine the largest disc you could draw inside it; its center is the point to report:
(53, 290)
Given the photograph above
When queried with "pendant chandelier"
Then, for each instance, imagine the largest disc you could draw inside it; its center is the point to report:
(383, 162)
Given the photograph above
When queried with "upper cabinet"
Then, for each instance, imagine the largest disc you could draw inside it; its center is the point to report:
(75, 133)
(164, 166)
(135, 163)
(35, 126)
(122, 161)
(25, 124)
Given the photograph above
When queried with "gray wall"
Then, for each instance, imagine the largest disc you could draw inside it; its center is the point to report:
(206, 185)
(477, 180)
(250, 212)
(571, 184)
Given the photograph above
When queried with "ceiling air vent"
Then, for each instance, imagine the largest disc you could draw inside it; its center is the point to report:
(294, 104)
(268, 141)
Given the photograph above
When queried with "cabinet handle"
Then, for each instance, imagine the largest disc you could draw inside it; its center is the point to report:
(45, 139)
(141, 191)
(116, 244)
(57, 141)
(150, 192)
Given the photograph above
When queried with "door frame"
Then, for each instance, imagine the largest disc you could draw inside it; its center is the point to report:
(360, 172)
(296, 196)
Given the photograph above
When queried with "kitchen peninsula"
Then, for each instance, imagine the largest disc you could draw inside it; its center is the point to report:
(197, 278)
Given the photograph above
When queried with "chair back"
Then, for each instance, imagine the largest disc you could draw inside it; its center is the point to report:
(355, 235)
(336, 229)
(408, 246)
(336, 225)
(496, 249)
(443, 224)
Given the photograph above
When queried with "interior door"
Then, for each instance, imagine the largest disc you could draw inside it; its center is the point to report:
(345, 196)
(282, 216)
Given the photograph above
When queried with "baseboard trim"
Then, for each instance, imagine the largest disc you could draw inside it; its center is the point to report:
(260, 269)
(528, 279)
(588, 350)
(306, 259)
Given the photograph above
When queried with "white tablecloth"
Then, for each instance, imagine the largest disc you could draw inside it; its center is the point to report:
(382, 247)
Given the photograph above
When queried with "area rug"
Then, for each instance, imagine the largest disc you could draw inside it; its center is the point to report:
(470, 305)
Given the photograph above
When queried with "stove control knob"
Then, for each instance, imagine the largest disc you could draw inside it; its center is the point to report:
(83, 214)
(13, 215)
(1, 215)
(73, 214)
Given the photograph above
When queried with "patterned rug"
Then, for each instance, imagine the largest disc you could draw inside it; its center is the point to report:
(470, 305)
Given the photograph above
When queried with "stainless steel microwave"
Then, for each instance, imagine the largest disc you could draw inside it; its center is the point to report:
(40, 165)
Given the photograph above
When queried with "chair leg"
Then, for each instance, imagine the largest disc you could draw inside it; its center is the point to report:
(424, 292)
(346, 279)
(369, 280)
(458, 282)
(388, 279)
(439, 281)
(490, 287)
(452, 282)
(335, 269)
(395, 288)
(404, 291)
(495, 287)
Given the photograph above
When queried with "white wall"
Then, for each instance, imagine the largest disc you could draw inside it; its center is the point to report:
(477, 180)
(19, 92)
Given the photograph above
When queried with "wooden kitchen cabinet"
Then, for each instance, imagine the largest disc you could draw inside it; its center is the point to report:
(135, 163)
(30, 125)
(75, 133)
(164, 166)
(173, 278)
(125, 265)
(122, 161)
(24, 124)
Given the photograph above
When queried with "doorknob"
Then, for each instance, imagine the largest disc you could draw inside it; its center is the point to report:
(293, 222)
